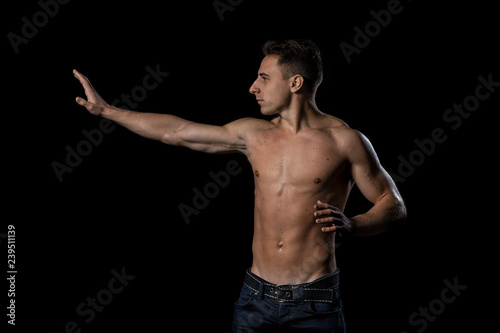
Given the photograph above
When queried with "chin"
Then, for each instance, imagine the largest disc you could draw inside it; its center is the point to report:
(268, 112)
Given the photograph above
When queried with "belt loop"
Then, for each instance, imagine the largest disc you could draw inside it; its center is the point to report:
(260, 292)
(296, 293)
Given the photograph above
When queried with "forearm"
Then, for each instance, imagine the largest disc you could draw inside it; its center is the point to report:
(161, 127)
(386, 212)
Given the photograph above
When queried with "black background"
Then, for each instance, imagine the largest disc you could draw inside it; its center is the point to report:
(119, 207)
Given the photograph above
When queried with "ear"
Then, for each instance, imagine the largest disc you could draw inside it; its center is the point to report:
(296, 83)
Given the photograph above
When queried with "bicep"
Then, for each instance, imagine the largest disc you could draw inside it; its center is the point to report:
(367, 172)
(211, 138)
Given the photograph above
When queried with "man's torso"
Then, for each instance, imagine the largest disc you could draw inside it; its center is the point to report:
(292, 172)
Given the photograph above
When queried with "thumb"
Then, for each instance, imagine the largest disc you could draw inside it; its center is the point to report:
(83, 102)
(89, 106)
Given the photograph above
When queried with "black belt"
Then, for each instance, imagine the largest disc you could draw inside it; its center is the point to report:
(320, 290)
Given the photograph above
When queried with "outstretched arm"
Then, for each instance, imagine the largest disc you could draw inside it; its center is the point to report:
(166, 128)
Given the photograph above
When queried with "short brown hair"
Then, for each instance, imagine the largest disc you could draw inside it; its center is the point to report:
(298, 56)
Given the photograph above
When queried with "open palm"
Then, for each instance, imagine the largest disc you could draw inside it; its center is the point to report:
(95, 104)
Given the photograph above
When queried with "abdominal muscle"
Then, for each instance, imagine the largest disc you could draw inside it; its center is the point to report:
(288, 246)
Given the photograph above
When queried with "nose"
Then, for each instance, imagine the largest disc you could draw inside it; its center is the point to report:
(254, 89)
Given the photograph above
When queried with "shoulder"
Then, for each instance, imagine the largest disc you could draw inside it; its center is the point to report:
(255, 122)
(249, 124)
(339, 130)
(350, 141)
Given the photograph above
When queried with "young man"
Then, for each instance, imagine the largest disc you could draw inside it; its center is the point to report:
(305, 163)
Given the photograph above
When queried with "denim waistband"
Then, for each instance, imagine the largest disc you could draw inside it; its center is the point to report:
(319, 290)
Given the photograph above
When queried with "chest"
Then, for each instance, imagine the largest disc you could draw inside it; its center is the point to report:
(311, 158)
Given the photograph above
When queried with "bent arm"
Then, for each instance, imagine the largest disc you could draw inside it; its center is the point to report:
(377, 186)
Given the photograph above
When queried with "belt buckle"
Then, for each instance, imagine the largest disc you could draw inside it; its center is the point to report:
(291, 293)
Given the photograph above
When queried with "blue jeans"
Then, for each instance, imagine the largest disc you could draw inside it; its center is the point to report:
(255, 311)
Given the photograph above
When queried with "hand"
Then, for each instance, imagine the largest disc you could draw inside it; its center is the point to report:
(332, 218)
(94, 103)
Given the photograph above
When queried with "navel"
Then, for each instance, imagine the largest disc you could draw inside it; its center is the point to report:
(280, 244)
(317, 180)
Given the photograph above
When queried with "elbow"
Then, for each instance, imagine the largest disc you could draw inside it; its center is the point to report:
(176, 135)
(171, 138)
(395, 208)
(404, 213)
(399, 211)
(168, 139)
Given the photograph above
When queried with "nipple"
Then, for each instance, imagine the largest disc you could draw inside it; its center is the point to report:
(256, 173)
(317, 180)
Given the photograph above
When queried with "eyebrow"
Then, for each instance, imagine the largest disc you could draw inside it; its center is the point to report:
(264, 74)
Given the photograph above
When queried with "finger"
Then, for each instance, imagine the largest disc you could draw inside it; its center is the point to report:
(330, 220)
(321, 205)
(87, 86)
(332, 228)
(327, 212)
(79, 75)
(82, 78)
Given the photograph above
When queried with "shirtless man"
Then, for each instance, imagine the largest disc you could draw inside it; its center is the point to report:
(305, 163)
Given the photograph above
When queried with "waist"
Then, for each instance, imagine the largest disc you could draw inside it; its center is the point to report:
(322, 289)
(293, 259)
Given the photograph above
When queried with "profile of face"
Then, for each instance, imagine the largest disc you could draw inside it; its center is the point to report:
(273, 93)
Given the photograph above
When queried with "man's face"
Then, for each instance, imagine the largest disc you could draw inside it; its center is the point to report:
(270, 89)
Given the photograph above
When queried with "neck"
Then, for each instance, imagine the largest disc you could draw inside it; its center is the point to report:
(299, 115)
